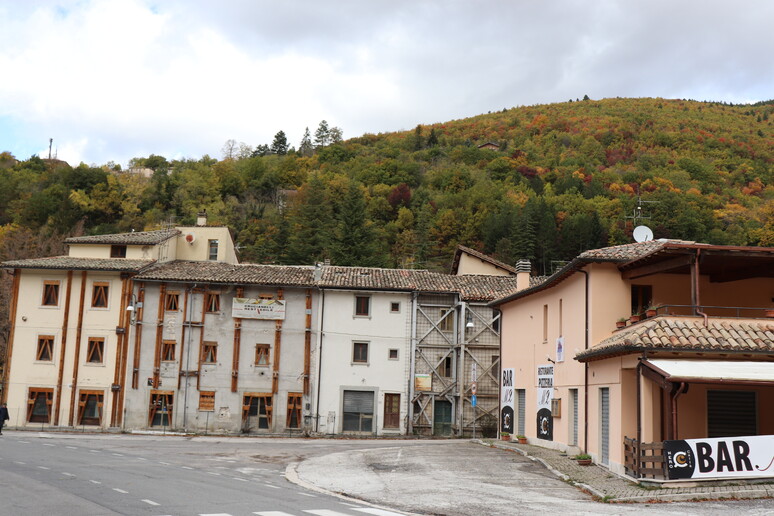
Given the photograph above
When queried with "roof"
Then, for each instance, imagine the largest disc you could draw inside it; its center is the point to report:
(689, 370)
(687, 334)
(722, 263)
(481, 256)
(134, 238)
(225, 273)
(470, 287)
(79, 264)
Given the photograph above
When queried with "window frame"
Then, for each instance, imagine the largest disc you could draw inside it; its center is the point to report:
(98, 344)
(262, 350)
(32, 401)
(212, 347)
(83, 400)
(172, 301)
(212, 245)
(161, 400)
(45, 342)
(166, 345)
(100, 293)
(117, 251)
(50, 287)
(206, 401)
(264, 411)
(212, 302)
(359, 312)
(395, 307)
(390, 353)
(391, 419)
(446, 320)
(357, 358)
(446, 367)
(294, 408)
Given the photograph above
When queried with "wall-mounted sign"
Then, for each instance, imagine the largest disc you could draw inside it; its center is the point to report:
(423, 382)
(727, 457)
(560, 349)
(507, 408)
(248, 308)
(545, 391)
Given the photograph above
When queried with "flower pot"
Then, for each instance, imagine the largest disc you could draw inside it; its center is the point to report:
(584, 462)
(505, 437)
(650, 313)
(769, 312)
(620, 324)
(522, 440)
(635, 318)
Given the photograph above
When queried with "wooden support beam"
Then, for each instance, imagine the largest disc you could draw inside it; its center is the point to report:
(240, 292)
(277, 350)
(138, 336)
(9, 343)
(659, 267)
(124, 351)
(76, 359)
(201, 342)
(159, 336)
(121, 339)
(307, 340)
(65, 323)
(182, 336)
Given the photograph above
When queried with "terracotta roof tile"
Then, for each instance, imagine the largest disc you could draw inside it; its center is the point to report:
(74, 263)
(224, 273)
(481, 256)
(687, 334)
(135, 238)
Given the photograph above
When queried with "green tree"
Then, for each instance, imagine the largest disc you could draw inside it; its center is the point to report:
(306, 148)
(280, 144)
(353, 241)
(322, 136)
(310, 231)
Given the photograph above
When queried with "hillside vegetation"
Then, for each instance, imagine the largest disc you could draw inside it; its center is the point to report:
(566, 177)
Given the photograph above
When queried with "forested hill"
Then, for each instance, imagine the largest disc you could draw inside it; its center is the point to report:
(560, 178)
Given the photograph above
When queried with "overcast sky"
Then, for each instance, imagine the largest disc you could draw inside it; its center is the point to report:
(115, 79)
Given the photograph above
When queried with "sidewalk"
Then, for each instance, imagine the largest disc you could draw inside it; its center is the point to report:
(608, 486)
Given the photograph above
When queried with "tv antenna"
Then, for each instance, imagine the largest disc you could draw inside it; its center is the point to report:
(637, 214)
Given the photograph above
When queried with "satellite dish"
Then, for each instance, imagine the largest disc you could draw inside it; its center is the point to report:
(190, 238)
(642, 234)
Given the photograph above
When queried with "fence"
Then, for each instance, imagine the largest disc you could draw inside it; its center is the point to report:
(644, 460)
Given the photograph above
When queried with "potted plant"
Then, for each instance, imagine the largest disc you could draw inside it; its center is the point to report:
(620, 323)
(651, 311)
(769, 312)
(505, 436)
(522, 439)
(584, 459)
(635, 318)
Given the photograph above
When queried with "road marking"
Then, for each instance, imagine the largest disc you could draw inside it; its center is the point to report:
(186, 467)
(270, 513)
(164, 463)
(71, 447)
(120, 491)
(141, 458)
(19, 462)
(218, 514)
(95, 481)
(47, 444)
(68, 474)
(150, 502)
(213, 473)
(117, 455)
(94, 451)
(273, 487)
(326, 512)
(376, 512)
(24, 442)
(43, 467)
(240, 479)
(307, 494)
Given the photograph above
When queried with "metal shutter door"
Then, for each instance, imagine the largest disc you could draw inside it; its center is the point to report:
(574, 396)
(361, 402)
(522, 410)
(604, 407)
(731, 413)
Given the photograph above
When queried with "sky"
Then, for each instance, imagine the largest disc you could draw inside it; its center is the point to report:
(110, 80)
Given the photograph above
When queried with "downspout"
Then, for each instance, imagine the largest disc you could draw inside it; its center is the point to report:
(319, 361)
(412, 364)
(696, 287)
(680, 390)
(586, 368)
(637, 451)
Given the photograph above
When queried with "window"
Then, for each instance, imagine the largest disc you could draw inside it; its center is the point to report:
(39, 402)
(45, 348)
(642, 297)
(446, 322)
(212, 302)
(160, 410)
(118, 251)
(209, 352)
(95, 350)
(360, 352)
(445, 367)
(392, 411)
(393, 354)
(731, 413)
(207, 401)
(521, 397)
(257, 411)
(362, 306)
(294, 410)
(212, 246)
(261, 354)
(496, 321)
(50, 293)
(168, 350)
(90, 408)
(560, 318)
(545, 323)
(358, 411)
(573, 417)
(172, 302)
(395, 307)
(99, 294)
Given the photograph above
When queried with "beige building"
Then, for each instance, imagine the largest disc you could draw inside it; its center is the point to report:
(691, 359)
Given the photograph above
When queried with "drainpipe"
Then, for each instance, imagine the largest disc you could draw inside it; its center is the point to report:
(188, 355)
(319, 360)
(586, 369)
(637, 450)
(696, 288)
(682, 389)
(412, 362)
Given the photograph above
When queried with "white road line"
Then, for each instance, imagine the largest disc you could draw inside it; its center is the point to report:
(273, 487)
(141, 458)
(24, 442)
(95, 481)
(120, 491)
(376, 512)
(43, 467)
(240, 479)
(47, 444)
(270, 513)
(307, 494)
(19, 462)
(217, 514)
(213, 473)
(67, 474)
(164, 463)
(186, 467)
(71, 447)
(348, 504)
(117, 455)
(150, 502)
(326, 512)
(94, 451)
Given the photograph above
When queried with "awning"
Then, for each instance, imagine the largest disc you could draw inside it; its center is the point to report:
(712, 371)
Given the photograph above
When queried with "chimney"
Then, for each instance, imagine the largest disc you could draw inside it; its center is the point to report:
(201, 218)
(523, 270)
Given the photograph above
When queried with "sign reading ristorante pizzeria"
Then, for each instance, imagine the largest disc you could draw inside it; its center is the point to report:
(727, 457)
(249, 308)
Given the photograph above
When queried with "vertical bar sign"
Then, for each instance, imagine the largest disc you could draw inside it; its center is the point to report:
(545, 390)
(507, 408)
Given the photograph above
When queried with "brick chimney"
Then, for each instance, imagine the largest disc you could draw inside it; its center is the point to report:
(201, 218)
(523, 271)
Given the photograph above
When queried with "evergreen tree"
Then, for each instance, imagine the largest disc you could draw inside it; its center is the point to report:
(432, 140)
(280, 144)
(305, 148)
(322, 136)
(353, 240)
(310, 230)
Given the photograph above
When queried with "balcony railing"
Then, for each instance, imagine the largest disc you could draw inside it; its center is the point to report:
(731, 312)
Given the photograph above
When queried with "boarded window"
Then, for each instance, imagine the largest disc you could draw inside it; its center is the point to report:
(39, 401)
(360, 352)
(160, 410)
(261, 354)
(90, 408)
(445, 367)
(358, 411)
(209, 352)
(731, 414)
(257, 411)
(118, 251)
(168, 350)
(212, 302)
(392, 411)
(96, 350)
(172, 302)
(446, 321)
(362, 306)
(50, 293)
(45, 348)
(207, 401)
(99, 294)
(294, 410)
